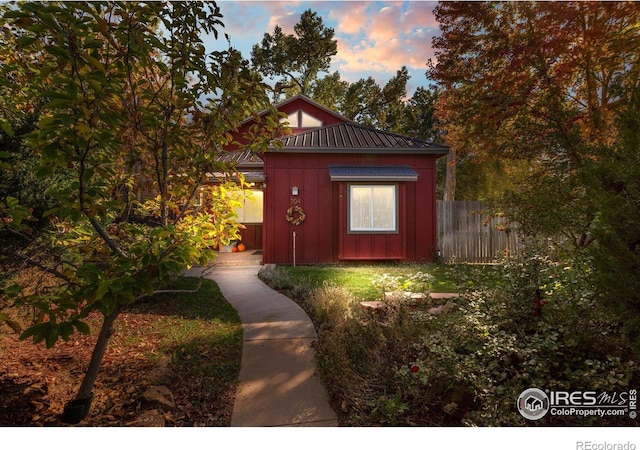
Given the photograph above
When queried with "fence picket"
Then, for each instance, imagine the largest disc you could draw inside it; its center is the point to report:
(467, 232)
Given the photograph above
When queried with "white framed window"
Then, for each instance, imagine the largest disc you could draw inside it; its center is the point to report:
(373, 208)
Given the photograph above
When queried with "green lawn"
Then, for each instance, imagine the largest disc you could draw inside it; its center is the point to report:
(357, 278)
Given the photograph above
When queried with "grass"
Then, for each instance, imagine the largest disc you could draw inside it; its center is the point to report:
(406, 365)
(357, 278)
(203, 335)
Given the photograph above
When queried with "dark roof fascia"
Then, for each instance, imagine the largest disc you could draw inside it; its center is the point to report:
(440, 151)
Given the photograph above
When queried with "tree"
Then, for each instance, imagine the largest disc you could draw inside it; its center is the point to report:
(536, 82)
(419, 114)
(297, 58)
(135, 118)
(553, 86)
(361, 100)
(384, 107)
(613, 186)
(329, 90)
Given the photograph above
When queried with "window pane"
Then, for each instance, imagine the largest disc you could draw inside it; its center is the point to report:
(252, 209)
(372, 208)
(360, 208)
(384, 214)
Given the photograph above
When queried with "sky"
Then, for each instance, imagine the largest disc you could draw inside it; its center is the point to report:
(374, 38)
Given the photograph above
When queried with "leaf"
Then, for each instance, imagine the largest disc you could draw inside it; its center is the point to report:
(15, 326)
(13, 290)
(52, 336)
(81, 326)
(66, 330)
(4, 125)
(95, 63)
(37, 331)
(103, 288)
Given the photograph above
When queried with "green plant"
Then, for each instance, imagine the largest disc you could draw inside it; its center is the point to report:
(418, 282)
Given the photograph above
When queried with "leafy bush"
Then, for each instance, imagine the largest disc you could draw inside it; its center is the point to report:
(539, 326)
(542, 329)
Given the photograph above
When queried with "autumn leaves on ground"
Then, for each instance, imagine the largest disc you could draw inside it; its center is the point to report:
(190, 343)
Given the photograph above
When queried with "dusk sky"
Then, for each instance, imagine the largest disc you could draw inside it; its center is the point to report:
(374, 38)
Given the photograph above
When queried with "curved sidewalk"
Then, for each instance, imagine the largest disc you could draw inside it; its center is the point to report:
(278, 385)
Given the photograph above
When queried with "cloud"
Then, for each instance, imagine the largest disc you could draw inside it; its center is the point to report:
(351, 17)
(389, 36)
(375, 38)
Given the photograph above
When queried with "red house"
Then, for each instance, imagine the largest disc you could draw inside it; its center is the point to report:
(338, 191)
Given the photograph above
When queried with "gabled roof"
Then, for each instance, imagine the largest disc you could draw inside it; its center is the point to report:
(305, 99)
(354, 138)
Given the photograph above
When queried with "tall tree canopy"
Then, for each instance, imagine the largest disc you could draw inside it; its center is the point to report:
(384, 108)
(297, 58)
(535, 81)
(134, 118)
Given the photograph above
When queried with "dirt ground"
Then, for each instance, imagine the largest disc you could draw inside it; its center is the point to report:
(35, 383)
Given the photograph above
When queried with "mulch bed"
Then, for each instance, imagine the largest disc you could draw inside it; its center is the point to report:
(35, 382)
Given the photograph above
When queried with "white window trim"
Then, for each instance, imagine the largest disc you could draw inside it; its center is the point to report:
(373, 230)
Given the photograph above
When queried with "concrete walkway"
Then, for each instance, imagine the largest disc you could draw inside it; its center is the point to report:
(278, 385)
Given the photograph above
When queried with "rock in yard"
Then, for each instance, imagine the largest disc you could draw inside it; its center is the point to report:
(151, 418)
(159, 396)
(449, 306)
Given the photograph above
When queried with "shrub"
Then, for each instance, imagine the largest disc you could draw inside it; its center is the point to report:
(542, 329)
(540, 326)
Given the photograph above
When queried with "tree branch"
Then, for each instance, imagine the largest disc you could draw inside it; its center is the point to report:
(41, 266)
(179, 291)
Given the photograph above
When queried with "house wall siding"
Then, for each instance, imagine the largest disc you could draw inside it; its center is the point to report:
(324, 237)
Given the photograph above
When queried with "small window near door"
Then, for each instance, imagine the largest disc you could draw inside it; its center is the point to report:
(251, 210)
(373, 208)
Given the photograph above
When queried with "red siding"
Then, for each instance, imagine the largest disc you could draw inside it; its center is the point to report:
(323, 237)
(252, 236)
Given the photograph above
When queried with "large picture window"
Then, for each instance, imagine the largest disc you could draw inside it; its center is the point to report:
(373, 208)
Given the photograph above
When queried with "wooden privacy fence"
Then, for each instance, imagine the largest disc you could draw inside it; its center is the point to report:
(468, 233)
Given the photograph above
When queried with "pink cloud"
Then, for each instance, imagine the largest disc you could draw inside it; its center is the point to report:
(420, 15)
(394, 35)
(350, 16)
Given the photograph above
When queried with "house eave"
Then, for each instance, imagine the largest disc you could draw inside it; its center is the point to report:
(331, 150)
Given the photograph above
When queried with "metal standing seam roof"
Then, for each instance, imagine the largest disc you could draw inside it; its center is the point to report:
(354, 138)
(245, 158)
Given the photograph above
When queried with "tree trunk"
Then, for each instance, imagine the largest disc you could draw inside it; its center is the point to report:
(85, 392)
(450, 181)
